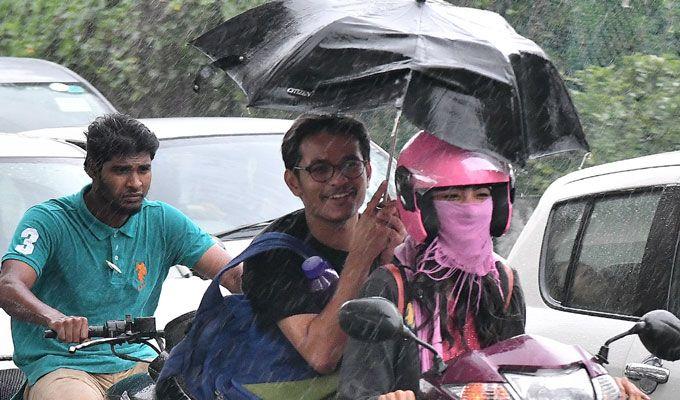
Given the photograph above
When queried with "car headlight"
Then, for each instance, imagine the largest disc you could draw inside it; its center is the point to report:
(571, 384)
(479, 391)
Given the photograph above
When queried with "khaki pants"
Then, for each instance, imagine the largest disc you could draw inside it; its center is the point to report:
(77, 385)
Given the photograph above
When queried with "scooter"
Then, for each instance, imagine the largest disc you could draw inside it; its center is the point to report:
(520, 368)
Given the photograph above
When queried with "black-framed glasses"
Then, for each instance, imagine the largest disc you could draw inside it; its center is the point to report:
(323, 171)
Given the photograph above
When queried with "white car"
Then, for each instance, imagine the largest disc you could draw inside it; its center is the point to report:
(226, 174)
(601, 249)
(32, 170)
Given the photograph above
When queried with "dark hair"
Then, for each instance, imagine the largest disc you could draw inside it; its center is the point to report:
(114, 135)
(309, 124)
(489, 317)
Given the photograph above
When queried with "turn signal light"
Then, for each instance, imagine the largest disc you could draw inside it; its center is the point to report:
(480, 391)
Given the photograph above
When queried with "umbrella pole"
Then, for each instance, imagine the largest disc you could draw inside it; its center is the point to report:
(393, 136)
(393, 148)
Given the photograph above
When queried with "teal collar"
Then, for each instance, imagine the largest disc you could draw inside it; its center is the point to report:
(99, 229)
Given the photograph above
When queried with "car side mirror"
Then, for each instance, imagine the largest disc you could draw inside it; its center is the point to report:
(660, 334)
(371, 319)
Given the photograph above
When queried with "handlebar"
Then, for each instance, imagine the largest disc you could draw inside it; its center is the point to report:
(115, 332)
(92, 331)
(140, 326)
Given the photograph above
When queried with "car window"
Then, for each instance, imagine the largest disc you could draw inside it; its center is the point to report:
(565, 221)
(47, 105)
(26, 182)
(224, 182)
(595, 252)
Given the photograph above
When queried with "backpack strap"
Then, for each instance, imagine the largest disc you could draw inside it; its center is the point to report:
(399, 279)
(266, 242)
(510, 280)
(262, 243)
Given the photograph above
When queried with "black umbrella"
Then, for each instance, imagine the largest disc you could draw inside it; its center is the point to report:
(463, 74)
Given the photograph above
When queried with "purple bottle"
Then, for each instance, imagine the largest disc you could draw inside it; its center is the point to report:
(322, 277)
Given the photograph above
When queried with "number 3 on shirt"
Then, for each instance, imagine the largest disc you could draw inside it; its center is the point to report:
(30, 236)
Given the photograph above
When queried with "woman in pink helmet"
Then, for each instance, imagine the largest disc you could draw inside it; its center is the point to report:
(457, 295)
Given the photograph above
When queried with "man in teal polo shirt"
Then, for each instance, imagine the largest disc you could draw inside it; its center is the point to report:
(97, 255)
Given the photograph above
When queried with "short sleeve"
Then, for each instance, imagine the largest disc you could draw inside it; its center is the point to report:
(276, 286)
(33, 240)
(185, 241)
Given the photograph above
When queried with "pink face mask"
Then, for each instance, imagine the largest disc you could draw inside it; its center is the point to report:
(463, 243)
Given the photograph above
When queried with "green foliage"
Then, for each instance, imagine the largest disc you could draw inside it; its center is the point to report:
(621, 63)
(627, 97)
(632, 108)
(136, 53)
(592, 32)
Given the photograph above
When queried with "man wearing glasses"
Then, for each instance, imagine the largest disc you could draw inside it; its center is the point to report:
(327, 167)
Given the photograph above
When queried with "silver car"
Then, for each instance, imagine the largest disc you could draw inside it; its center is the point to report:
(37, 93)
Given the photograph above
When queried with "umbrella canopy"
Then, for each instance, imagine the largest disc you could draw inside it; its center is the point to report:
(463, 74)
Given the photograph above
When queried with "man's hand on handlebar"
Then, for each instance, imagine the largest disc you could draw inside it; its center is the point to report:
(70, 329)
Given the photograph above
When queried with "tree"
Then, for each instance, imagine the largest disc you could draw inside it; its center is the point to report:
(632, 108)
(136, 53)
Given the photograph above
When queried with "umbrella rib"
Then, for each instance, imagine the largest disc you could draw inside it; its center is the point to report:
(393, 147)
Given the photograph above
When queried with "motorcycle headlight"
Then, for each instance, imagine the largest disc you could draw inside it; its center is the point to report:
(573, 384)
(479, 391)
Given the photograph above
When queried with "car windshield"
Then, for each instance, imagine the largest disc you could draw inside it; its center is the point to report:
(226, 182)
(29, 181)
(47, 105)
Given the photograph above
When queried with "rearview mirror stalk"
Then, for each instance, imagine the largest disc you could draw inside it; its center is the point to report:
(603, 354)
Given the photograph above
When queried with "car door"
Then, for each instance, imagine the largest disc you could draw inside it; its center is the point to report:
(663, 261)
(606, 259)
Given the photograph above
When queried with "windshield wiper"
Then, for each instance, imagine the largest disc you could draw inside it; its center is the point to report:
(245, 231)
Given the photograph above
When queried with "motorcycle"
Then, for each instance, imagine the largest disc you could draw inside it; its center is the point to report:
(520, 368)
(11, 379)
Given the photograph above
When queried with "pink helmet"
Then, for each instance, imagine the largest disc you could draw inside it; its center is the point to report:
(427, 162)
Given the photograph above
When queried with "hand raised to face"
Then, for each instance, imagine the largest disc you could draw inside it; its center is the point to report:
(379, 229)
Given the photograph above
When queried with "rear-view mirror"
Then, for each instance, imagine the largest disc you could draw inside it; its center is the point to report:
(660, 334)
(371, 319)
